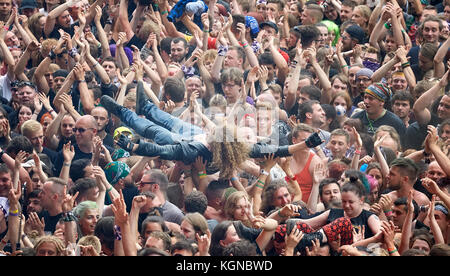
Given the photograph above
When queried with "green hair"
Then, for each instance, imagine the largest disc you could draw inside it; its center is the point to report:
(332, 27)
(82, 207)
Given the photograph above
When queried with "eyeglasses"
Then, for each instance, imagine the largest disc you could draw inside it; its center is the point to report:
(363, 80)
(80, 129)
(141, 183)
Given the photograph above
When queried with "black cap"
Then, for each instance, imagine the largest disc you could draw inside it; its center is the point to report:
(28, 4)
(270, 24)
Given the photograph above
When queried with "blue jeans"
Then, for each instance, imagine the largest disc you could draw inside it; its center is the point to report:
(161, 127)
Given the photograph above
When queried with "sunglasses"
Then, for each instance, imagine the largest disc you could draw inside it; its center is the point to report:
(80, 129)
(141, 183)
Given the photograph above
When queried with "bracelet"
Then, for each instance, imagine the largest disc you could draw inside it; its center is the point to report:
(388, 213)
(280, 215)
(68, 217)
(73, 52)
(358, 152)
(245, 45)
(206, 31)
(164, 12)
(343, 66)
(234, 178)
(117, 233)
(14, 212)
(259, 181)
(387, 26)
(267, 89)
(110, 189)
(96, 64)
(6, 28)
(259, 186)
(392, 251)
(406, 64)
(287, 178)
(202, 176)
(66, 164)
(50, 111)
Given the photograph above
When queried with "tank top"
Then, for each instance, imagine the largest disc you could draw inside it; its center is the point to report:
(357, 222)
(305, 180)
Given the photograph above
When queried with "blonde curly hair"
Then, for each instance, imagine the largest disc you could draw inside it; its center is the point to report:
(228, 152)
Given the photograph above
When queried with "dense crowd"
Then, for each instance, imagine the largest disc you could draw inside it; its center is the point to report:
(224, 128)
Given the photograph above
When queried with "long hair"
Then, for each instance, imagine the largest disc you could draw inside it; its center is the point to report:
(228, 152)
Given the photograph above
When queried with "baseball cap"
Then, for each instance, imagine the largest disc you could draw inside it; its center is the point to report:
(270, 24)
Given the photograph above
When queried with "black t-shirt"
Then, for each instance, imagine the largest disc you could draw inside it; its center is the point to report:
(50, 221)
(60, 159)
(357, 222)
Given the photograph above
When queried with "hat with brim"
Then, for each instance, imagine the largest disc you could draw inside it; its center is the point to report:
(270, 24)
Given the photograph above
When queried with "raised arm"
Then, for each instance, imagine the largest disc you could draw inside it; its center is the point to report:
(421, 106)
(53, 14)
(101, 34)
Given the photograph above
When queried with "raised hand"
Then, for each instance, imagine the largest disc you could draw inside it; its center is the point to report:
(68, 152)
(204, 242)
(68, 201)
(293, 238)
(315, 248)
(139, 201)
(20, 159)
(320, 172)
(430, 185)
(120, 210)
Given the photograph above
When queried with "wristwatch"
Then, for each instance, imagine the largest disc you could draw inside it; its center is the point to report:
(264, 172)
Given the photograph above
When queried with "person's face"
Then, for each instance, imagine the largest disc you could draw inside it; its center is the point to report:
(67, 125)
(46, 195)
(425, 63)
(47, 249)
(323, 37)
(89, 221)
(150, 228)
(230, 237)
(5, 7)
(64, 19)
(188, 230)
(443, 111)
(390, 44)
(358, 17)
(232, 59)
(401, 108)
(272, 8)
(177, 51)
(231, 91)
(49, 77)
(340, 101)
(376, 173)
(26, 94)
(241, 209)
(318, 115)
(25, 114)
(394, 179)
(262, 9)
(331, 13)
(193, 84)
(306, 18)
(292, 40)
(431, 31)
(281, 197)
(5, 184)
(347, 43)
(58, 83)
(110, 68)
(373, 105)
(28, 12)
(331, 192)
(264, 122)
(92, 194)
(85, 132)
(351, 204)
(34, 205)
(338, 146)
(37, 139)
(421, 245)
(362, 82)
(338, 86)
(435, 172)
(16, 55)
(42, 21)
(352, 76)
(346, 13)
(399, 82)
(447, 12)
(101, 116)
(373, 195)
(153, 242)
(131, 105)
(398, 215)
(145, 185)
(445, 132)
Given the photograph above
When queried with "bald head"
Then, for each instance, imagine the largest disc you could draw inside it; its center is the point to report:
(85, 130)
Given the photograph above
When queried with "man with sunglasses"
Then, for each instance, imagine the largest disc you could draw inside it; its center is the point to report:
(85, 130)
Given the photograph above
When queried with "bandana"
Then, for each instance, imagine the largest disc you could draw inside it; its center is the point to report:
(115, 171)
(441, 208)
(120, 153)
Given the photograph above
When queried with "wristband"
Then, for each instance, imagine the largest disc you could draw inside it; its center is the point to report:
(68, 217)
(388, 213)
(259, 181)
(245, 45)
(259, 186)
(52, 55)
(392, 251)
(287, 178)
(264, 172)
(280, 215)
(73, 52)
(164, 12)
(50, 111)
(234, 178)
(117, 233)
(387, 25)
(358, 152)
(15, 212)
(406, 64)
(313, 140)
(66, 164)
(222, 50)
(110, 189)
(206, 31)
